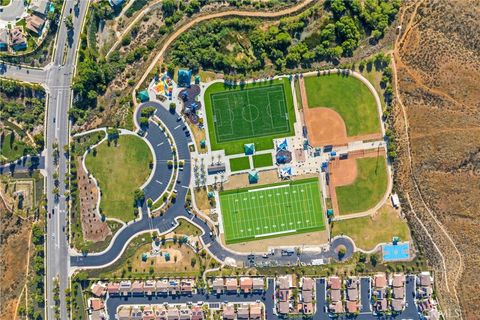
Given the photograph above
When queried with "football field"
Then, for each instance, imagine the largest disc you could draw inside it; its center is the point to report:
(272, 210)
(253, 112)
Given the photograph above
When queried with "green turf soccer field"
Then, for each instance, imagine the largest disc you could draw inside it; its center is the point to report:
(253, 113)
(271, 210)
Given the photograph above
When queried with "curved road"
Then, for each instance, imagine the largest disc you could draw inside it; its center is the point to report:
(168, 221)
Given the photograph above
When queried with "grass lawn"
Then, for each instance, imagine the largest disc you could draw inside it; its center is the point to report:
(367, 189)
(4, 2)
(298, 96)
(120, 170)
(256, 112)
(367, 232)
(262, 160)
(349, 97)
(12, 147)
(237, 164)
(271, 210)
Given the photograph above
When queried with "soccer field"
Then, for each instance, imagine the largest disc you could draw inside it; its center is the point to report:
(255, 113)
(272, 210)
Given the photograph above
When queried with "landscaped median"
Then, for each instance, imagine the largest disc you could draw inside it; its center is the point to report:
(120, 167)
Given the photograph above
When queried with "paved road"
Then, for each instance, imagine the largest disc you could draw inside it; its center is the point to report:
(13, 10)
(177, 210)
(20, 73)
(27, 163)
(112, 303)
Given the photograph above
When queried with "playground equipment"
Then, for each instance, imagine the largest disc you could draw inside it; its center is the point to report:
(163, 85)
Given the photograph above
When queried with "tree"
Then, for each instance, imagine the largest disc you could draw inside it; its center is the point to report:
(138, 196)
(341, 252)
(69, 22)
(169, 7)
(143, 122)
(373, 259)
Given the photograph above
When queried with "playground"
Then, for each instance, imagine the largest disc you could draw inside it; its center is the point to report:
(272, 210)
(254, 112)
(338, 109)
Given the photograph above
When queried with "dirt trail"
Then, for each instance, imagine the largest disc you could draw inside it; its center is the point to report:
(223, 14)
(451, 265)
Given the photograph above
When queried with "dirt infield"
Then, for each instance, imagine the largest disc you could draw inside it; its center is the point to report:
(325, 126)
(344, 172)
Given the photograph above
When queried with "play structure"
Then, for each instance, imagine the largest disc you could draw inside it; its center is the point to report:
(163, 85)
(184, 78)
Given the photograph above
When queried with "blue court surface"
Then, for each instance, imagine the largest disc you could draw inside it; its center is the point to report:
(396, 252)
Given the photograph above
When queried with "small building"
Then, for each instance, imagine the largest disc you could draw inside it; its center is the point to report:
(186, 286)
(246, 284)
(17, 39)
(184, 78)
(215, 168)
(143, 96)
(197, 313)
(218, 285)
(96, 304)
(255, 311)
(185, 313)
(125, 287)
(123, 313)
(258, 284)
(283, 307)
(3, 39)
(98, 289)
(243, 312)
(228, 312)
(40, 7)
(395, 201)
(35, 23)
(149, 287)
(113, 288)
(173, 314)
(136, 313)
(253, 176)
(137, 287)
(249, 149)
(148, 313)
(160, 312)
(231, 284)
(162, 287)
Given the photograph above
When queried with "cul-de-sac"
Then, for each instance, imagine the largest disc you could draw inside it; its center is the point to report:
(239, 159)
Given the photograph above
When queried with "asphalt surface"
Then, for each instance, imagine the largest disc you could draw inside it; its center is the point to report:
(267, 298)
(27, 163)
(13, 10)
(168, 221)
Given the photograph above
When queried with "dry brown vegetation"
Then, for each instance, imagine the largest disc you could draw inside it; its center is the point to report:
(15, 233)
(437, 66)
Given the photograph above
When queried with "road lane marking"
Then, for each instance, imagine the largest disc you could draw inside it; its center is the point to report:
(159, 181)
(158, 145)
(177, 127)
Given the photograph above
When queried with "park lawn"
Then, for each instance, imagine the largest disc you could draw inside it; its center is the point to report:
(262, 133)
(120, 170)
(367, 232)
(12, 147)
(262, 160)
(349, 97)
(368, 188)
(238, 164)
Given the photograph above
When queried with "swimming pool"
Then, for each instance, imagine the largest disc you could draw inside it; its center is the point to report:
(396, 252)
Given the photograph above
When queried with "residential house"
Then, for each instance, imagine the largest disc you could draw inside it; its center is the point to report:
(3, 39)
(186, 286)
(162, 287)
(284, 293)
(148, 313)
(99, 289)
(149, 287)
(173, 314)
(308, 285)
(231, 285)
(398, 305)
(255, 311)
(197, 313)
(174, 287)
(18, 40)
(185, 313)
(125, 287)
(35, 24)
(218, 285)
(160, 312)
(243, 312)
(352, 286)
(123, 313)
(96, 304)
(137, 288)
(136, 313)
(335, 294)
(424, 285)
(40, 7)
(380, 292)
(258, 284)
(398, 292)
(113, 288)
(228, 312)
(246, 284)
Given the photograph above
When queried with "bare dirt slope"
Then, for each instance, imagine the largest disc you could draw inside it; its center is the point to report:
(437, 62)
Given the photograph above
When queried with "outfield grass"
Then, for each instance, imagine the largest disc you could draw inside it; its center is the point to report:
(119, 171)
(349, 97)
(367, 232)
(368, 188)
(255, 112)
(262, 160)
(271, 210)
(237, 164)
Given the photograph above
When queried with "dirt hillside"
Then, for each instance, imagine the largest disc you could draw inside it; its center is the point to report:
(438, 63)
